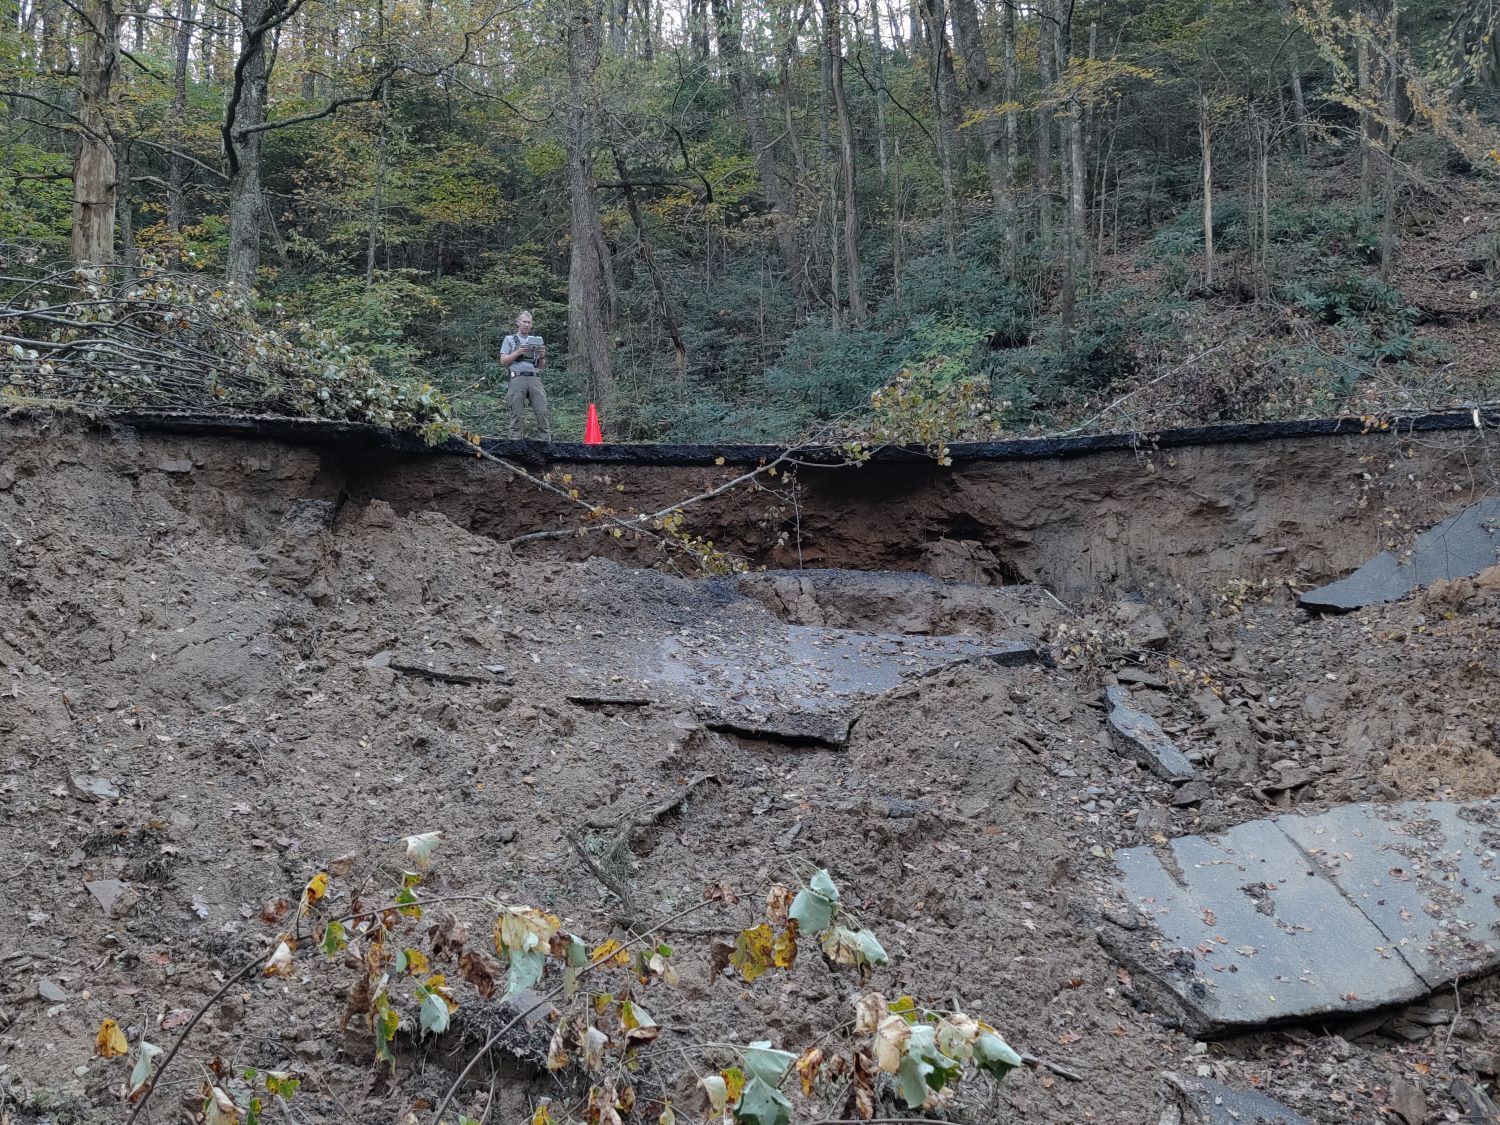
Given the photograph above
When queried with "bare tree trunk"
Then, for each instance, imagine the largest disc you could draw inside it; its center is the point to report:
(94, 171)
(176, 166)
(1392, 115)
(591, 295)
(1071, 138)
(1362, 81)
(934, 12)
(985, 100)
(377, 198)
(880, 129)
(1012, 129)
(727, 23)
(247, 111)
(123, 208)
(658, 282)
(619, 24)
(647, 33)
(1046, 64)
(1205, 134)
(835, 48)
(1299, 105)
(698, 29)
(1264, 140)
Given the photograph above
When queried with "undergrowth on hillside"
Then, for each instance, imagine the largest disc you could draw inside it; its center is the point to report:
(411, 965)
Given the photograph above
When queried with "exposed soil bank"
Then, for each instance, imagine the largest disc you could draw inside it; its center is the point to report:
(1092, 518)
(284, 655)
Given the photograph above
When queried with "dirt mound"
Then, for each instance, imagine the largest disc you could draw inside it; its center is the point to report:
(280, 675)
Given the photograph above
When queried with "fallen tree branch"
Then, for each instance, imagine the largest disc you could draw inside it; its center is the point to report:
(626, 915)
(619, 844)
(1046, 1064)
(656, 814)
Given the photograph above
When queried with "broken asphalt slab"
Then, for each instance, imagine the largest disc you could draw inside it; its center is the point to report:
(1459, 547)
(1278, 921)
(1202, 1101)
(1426, 873)
(1137, 735)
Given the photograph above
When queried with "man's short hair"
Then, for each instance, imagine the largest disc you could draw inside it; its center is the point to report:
(526, 313)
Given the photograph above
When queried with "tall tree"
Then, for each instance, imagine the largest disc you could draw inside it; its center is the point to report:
(728, 25)
(244, 116)
(986, 101)
(833, 39)
(94, 169)
(591, 281)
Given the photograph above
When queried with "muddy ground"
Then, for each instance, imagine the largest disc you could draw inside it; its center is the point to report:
(243, 644)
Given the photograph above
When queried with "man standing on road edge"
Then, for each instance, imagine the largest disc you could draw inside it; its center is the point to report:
(525, 356)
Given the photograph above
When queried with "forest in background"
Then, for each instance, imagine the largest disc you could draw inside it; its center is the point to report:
(739, 219)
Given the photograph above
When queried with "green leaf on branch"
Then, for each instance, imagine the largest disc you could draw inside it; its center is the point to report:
(140, 1074)
(815, 905)
(763, 1104)
(525, 970)
(434, 1014)
(334, 938)
(925, 1067)
(812, 912)
(576, 957)
(852, 947)
(995, 1055)
(717, 1091)
(766, 1063)
(420, 847)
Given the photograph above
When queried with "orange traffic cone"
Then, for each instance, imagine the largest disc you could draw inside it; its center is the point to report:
(592, 435)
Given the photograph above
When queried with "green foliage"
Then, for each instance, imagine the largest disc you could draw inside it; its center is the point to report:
(37, 204)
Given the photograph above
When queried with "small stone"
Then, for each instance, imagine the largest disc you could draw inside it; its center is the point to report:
(1486, 1063)
(51, 991)
(1141, 677)
(114, 897)
(176, 465)
(1193, 793)
(92, 788)
(1408, 1103)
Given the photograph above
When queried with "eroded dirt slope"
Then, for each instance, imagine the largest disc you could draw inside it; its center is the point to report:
(238, 645)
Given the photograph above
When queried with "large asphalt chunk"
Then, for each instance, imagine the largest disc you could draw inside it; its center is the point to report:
(1426, 873)
(1251, 933)
(1139, 736)
(1206, 1102)
(1459, 547)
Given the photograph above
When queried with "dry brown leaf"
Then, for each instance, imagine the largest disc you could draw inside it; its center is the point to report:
(807, 1066)
(480, 969)
(778, 902)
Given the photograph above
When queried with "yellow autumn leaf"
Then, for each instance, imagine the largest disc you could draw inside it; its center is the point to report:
(807, 1066)
(416, 962)
(316, 888)
(784, 951)
(752, 952)
(610, 949)
(110, 1042)
(542, 1116)
(734, 1083)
